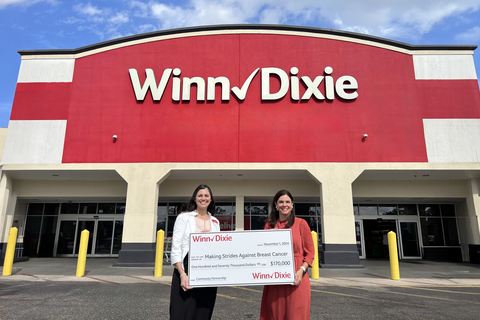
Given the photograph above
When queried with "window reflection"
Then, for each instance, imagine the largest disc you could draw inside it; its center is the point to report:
(368, 210)
(407, 209)
(387, 210)
(429, 210)
(432, 231)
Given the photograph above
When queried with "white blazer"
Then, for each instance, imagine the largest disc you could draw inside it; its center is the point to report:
(184, 225)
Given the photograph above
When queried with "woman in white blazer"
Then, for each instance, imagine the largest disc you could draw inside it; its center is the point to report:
(186, 302)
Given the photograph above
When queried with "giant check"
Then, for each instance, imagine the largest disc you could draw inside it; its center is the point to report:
(241, 258)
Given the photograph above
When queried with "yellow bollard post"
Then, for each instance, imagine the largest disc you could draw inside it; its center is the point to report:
(82, 253)
(392, 252)
(159, 254)
(315, 266)
(10, 253)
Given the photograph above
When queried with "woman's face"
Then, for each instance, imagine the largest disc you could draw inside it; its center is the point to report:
(202, 199)
(284, 207)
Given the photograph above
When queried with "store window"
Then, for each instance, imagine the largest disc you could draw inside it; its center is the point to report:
(40, 228)
(429, 210)
(432, 231)
(225, 213)
(407, 209)
(173, 209)
(437, 221)
(106, 208)
(69, 208)
(257, 212)
(368, 210)
(255, 215)
(88, 208)
(162, 214)
(387, 210)
(311, 213)
(43, 218)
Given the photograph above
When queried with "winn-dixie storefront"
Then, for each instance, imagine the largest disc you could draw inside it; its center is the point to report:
(370, 135)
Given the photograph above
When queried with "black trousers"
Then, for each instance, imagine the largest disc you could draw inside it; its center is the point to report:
(193, 304)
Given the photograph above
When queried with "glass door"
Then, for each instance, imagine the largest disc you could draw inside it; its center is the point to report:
(409, 240)
(359, 239)
(103, 237)
(89, 225)
(66, 237)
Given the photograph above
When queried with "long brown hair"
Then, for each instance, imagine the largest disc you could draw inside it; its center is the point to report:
(273, 216)
(192, 205)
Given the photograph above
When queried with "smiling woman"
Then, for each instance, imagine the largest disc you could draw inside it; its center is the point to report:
(187, 302)
(290, 301)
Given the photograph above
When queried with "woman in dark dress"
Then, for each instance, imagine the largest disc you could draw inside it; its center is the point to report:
(187, 303)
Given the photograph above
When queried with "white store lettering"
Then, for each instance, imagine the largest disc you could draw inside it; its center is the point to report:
(344, 87)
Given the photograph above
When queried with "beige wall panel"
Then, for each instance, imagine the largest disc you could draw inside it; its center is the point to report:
(142, 202)
(247, 188)
(35, 141)
(452, 140)
(41, 70)
(341, 229)
(410, 189)
(472, 218)
(240, 214)
(440, 66)
(338, 222)
(466, 228)
(72, 188)
(8, 200)
(139, 228)
(3, 138)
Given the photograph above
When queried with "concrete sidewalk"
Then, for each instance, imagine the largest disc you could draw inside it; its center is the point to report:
(375, 273)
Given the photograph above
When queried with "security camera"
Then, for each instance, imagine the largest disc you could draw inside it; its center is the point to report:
(114, 136)
(365, 136)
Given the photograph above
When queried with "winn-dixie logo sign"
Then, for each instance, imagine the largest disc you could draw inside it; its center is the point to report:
(322, 87)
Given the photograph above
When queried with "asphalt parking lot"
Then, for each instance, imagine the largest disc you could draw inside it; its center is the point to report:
(150, 300)
(48, 289)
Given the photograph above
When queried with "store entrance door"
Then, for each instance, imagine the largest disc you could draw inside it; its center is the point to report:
(104, 237)
(376, 239)
(410, 241)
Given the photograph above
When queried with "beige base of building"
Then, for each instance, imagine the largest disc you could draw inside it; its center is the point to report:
(335, 185)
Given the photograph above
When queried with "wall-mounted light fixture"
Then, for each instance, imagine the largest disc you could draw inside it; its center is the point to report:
(114, 138)
(365, 136)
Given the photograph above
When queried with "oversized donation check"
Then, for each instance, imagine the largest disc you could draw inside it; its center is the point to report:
(241, 258)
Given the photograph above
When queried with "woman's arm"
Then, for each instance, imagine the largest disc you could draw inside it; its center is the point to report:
(179, 229)
(307, 243)
(183, 277)
(308, 251)
(300, 273)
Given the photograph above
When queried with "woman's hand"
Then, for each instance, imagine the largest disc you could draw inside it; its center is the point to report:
(298, 277)
(184, 282)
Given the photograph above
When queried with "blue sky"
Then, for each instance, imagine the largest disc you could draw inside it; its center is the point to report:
(57, 24)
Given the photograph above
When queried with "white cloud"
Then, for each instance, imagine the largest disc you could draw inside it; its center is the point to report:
(104, 22)
(143, 28)
(394, 18)
(4, 3)
(72, 20)
(470, 36)
(119, 18)
(88, 9)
